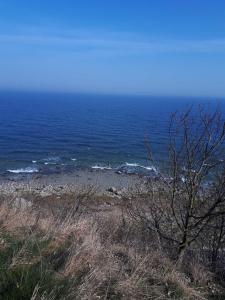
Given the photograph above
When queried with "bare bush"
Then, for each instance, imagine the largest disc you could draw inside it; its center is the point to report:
(187, 203)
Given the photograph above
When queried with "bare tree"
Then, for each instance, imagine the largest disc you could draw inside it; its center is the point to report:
(180, 207)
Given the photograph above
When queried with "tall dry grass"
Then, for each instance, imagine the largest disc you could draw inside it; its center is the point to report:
(83, 246)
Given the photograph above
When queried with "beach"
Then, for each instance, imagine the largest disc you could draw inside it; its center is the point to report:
(101, 180)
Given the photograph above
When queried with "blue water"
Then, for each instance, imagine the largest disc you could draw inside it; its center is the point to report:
(61, 132)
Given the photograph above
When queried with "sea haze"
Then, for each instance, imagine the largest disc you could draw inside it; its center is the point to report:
(48, 133)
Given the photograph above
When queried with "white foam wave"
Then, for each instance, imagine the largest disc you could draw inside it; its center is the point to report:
(101, 167)
(34, 161)
(51, 160)
(24, 170)
(150, 168)
(73, 159)
(132, 164)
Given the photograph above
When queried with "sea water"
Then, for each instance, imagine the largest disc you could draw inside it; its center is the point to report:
(49, 132)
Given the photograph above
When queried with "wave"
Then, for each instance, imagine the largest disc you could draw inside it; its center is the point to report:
(101, 167)
(53, 160)
(132, 164)
(23, 170)
(136, 165)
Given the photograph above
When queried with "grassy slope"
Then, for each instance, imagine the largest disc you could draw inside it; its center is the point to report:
(80, 246)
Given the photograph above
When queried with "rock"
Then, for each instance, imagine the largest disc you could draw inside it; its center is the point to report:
(45, 193)
(118, 172)
(22, 203)
(112, 190)
(119, 193)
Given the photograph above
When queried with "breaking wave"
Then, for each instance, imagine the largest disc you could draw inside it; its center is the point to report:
(23, 170)
(101, 167)
(136, 165)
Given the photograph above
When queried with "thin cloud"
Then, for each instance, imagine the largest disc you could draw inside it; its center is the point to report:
(114, 43)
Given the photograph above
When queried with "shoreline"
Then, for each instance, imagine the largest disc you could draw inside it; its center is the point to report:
(102, 180)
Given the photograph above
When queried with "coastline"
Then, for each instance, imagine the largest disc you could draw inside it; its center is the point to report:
(101, 180)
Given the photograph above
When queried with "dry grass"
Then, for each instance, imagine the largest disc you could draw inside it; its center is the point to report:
(82, 246)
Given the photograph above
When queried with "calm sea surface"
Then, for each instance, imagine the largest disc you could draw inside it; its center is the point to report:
(56, 132)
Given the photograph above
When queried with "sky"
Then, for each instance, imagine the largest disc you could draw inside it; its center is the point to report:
(149, 47)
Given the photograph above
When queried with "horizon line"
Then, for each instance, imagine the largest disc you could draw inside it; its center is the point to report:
(98, 93)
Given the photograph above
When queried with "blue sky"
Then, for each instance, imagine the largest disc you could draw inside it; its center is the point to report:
(163, 47)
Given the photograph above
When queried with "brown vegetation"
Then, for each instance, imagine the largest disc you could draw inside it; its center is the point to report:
(99, 251)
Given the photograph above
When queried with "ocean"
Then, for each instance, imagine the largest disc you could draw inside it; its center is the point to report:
(53, 133)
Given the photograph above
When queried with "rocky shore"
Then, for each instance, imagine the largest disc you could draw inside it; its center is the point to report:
(104, 181)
